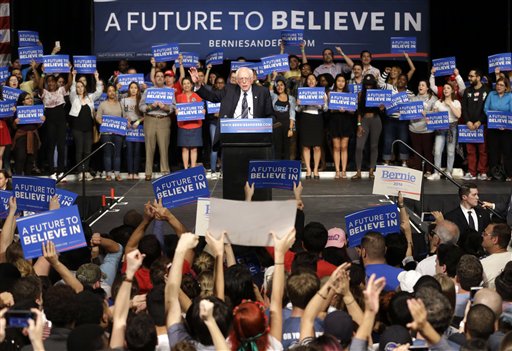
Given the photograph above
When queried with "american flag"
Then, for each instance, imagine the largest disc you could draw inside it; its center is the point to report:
(5, 33)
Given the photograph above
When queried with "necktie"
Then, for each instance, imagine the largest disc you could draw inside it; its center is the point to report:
(471, 220)
(245, 107)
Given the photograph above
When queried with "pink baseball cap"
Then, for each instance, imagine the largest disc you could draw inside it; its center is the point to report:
(336, 238)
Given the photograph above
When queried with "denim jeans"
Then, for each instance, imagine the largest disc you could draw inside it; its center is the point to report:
(133, 157)
(109, 153)
(213, 154)
(395, 129)
(440, 140)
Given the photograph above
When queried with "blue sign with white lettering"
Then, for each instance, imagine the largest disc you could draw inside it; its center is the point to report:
(235, 65)
(311, 96)
(275, 63)
(30, 114)
(377, 97)
(190, 111)
(403, 44)
(260, 71)
(28, 38)
(63, 227)
(470, 136)
(126, 79)
(274, 174)
(33, 193)
(499, 120)
(102, 98)
(355, 88)
(249, 125)
(163, 95)
(212, 107)
(190, 59)
(165, 52)
(215, 58)
(7, 108)
(502, 61)
(411, 110)
(5, 195)
(56, 63)
(4, 74)
(29, 53)
(383, 219)
(84, 64)
(396, 100)
(11, 94)
(438, 120)
(292, 37)
(135, 135)
(66, 198)
(346, 101)
(182, 187)
(444, 66)
(114, 124)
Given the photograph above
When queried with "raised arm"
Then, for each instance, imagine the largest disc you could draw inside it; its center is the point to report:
(50, 254)
(7, 234)
(153, 70)
(405, 225)
(206, 314)
(138, 233)
(70, 79)
(217, 247)
(182, 69)
(348, 60)
(122, 303)
(303, 52)
(412, 69)
(281, 246)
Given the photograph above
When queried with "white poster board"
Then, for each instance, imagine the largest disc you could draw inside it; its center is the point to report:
(389, 180)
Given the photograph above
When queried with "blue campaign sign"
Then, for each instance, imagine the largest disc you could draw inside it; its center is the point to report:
(56, 63)
(135, 135)
(30, 114)
(114, 125)
(190, 59)
(4, 74)
(181, 188)
(163, 95)
(66, 198)
(470, 136)
(260, 71)
(292, 37)
(29, 53)
(251, 125)
(102, 98)
(274, 174)
(346, 101)
(400, 45)
(28, 38)
(444, 66)
(212, 107)
(499, 120)
(127, 28)
(235, 65)
(7, 108)
(63, 227)
(438, 120)
(311, 96)
(84, 64)
(502, 61)
(165, 52)
(377, 97)
(275, 63)
(33, 193)
(126, 79)
(383, 219)
(396, 100)
(11, 94)
(5, 195)
(411, 110)
(355, 88)
(215, 58)
(190, 111)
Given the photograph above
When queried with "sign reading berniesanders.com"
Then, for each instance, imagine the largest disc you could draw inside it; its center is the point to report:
(33, 193)
(383, 219)
(274, 174)
(63, 227)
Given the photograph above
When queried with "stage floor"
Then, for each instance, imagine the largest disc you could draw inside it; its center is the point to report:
(326, 200)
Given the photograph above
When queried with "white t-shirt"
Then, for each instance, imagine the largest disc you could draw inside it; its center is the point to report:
(493, 265)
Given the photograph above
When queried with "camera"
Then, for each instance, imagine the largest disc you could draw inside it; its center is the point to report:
(18, 318)
(427, 217)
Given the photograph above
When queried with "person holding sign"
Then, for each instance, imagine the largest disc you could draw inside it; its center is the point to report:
(111, 158)
(131, 112)
(53, 100)
(26, 141)
(311, 129)
(341, 127)
(189, 132)
(82, 109)
(284, 109)
(500, 141)
(448, 103)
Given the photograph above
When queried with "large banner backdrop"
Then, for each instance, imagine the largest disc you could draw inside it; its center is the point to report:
(128, 28)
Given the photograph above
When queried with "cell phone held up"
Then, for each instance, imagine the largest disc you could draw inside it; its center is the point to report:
(18, 318)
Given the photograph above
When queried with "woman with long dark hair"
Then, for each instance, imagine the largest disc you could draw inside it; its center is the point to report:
(131, 112)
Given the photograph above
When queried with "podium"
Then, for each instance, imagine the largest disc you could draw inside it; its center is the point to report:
(244, 140)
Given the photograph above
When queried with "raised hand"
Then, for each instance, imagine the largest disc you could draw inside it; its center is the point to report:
(216, 245)
(206, 310)
(283, 244)
(133, 262)
(50, 253)
(372, 292)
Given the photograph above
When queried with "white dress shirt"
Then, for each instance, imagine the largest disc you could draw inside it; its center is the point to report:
(238, 110)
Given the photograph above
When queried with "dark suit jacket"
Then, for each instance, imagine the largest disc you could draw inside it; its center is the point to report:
(456, 216)
(505, 209)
